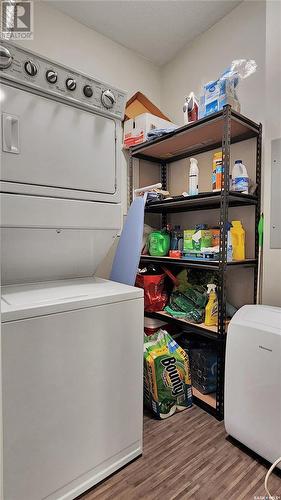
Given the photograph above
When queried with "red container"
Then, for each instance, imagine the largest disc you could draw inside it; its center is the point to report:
(175, 254)
(155, 295)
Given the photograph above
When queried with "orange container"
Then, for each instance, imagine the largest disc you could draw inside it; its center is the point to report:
(215, 237)
(217, 171)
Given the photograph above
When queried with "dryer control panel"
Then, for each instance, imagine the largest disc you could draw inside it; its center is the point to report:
(35, 73)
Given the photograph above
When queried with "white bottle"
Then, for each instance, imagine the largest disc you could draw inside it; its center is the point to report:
(240, 178)
(185, 111)
(193, 177)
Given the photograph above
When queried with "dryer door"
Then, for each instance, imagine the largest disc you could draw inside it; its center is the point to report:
(52, 145)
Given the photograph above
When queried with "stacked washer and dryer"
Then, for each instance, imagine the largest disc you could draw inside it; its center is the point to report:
(71, 343)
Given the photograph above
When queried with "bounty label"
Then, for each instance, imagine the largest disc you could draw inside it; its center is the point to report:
(171, 368)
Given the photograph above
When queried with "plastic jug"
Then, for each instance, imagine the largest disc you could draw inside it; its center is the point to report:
(159, 243)
(238, 240)
(240, 178)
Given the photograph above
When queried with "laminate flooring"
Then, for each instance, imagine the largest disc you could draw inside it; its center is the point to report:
(188, 456)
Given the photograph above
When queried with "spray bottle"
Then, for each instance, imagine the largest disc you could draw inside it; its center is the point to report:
(211, 310)
(193, 177)
(190, 109)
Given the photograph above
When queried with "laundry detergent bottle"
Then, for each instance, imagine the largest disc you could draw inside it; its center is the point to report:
(159, 243)
(238, 240)
(211, 310)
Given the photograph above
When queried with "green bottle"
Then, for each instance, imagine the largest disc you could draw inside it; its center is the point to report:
(159, 243)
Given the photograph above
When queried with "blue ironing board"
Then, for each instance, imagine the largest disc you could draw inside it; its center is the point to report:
(127, 256)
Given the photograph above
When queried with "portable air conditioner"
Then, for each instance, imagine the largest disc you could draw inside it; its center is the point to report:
(253, 380)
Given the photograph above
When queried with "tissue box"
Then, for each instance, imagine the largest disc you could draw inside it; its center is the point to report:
(217, 94)
(136, 129)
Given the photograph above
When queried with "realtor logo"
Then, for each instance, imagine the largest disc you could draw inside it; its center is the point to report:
(17, 20)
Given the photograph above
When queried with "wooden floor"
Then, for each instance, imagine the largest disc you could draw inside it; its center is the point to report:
(188, 456)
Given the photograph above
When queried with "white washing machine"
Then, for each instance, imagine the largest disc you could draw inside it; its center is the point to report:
(72, 385)
(72, 343)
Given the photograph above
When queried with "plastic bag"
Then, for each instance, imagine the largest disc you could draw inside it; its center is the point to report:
(189, 305)
(167, 383)
(216, 94)
(152, 280)
(240, 68)
(155, 296)
(188, 299)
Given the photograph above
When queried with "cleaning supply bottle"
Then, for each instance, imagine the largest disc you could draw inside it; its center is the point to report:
(211, 309)
(180, 240)
(240, 178)
(159, 243)
(193, 177)
(174, 239)
(238, 240)
(217, 171)
(190, 109)
(177, 239)
(229, 242)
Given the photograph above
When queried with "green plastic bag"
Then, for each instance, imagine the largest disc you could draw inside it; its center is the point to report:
(188, 300)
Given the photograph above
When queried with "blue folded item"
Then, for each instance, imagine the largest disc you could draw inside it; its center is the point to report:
(152, 196)
(159, 132)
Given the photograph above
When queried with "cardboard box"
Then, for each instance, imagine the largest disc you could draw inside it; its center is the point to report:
(139, 104)
(136, 129)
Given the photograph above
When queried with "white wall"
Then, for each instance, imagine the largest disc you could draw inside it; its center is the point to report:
(61, 38)
(251, 30)
(239, 35)
(272, 257)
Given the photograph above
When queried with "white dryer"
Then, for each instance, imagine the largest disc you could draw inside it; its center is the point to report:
(253, 379)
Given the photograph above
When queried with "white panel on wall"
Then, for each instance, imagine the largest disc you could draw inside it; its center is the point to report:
(275, 213)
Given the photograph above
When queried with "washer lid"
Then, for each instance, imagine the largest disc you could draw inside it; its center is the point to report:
(38, 299)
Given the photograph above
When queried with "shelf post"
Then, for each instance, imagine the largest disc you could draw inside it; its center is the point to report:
(164, 182)
(130, 180)
(224, 203)
(220, 379)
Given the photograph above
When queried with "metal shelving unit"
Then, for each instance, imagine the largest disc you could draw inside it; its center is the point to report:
(219, 130)
(202, 201)
(210, 265)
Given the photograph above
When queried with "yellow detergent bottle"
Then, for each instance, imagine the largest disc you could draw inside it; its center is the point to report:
(211, 310)
(238, 240)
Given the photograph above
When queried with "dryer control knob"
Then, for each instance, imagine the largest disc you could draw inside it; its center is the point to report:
(51, 76)
(30, 68)
(70, 84)
(108, 99)
(88, 91)
(5, 57)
